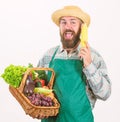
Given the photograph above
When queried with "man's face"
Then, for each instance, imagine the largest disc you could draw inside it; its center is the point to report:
(70, 28)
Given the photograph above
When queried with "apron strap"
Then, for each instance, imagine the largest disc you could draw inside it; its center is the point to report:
(50, 64)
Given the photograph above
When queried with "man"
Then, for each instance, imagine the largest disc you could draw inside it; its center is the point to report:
(81, 74)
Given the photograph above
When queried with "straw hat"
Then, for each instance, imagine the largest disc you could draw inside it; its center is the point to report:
(70, 11)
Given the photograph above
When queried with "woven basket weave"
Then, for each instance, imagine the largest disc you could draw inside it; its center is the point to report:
(29, 108)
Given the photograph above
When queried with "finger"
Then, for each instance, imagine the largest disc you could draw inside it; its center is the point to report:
(87, 46)
(82, 56)
(81, 53)
(84, 51)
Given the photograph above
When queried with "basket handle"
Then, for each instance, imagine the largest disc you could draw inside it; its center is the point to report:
(50, 84)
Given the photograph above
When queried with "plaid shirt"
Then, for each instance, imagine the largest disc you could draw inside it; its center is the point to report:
(97, 80)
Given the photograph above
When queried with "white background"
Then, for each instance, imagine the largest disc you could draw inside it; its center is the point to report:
(27, 31)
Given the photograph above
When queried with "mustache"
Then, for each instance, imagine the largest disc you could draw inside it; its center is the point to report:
(68, 30)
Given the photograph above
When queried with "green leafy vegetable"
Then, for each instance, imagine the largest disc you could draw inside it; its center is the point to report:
(42, 74)
(13, 74)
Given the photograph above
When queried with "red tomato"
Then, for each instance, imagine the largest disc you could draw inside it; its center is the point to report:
(42, 82)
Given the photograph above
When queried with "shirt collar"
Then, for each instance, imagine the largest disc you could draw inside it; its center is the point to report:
(61, 49)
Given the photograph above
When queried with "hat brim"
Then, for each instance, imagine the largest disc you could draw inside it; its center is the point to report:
(70, 11)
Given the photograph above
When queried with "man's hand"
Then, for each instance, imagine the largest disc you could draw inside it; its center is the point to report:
(85, 54)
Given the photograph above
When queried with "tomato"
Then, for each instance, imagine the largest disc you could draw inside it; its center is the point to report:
(42, 82)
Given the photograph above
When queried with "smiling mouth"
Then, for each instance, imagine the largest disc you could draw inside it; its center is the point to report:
(68, 35)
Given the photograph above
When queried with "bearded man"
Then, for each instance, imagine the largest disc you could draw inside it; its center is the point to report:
(80, 73)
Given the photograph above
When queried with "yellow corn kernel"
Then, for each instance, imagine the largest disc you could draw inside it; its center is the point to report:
(83, 35)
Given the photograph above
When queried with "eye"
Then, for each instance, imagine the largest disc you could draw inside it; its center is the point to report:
(63, 22)
(73, 22)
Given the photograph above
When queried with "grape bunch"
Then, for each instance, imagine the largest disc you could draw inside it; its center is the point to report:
(40, 100)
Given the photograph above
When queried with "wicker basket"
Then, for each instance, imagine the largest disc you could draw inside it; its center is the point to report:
(29, 108)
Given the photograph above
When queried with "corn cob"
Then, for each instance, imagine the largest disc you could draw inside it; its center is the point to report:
(83, 35)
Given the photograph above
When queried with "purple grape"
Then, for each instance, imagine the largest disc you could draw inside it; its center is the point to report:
(40, 100)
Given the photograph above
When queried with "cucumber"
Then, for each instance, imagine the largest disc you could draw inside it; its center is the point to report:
(42, 90)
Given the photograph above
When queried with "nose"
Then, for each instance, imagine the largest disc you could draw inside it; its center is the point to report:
(68, 25)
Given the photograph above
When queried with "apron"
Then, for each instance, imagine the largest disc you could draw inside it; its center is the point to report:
(70, 91)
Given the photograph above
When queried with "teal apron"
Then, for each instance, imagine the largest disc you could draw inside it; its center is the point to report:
(70, 91)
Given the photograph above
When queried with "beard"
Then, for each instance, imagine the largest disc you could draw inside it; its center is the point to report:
(70, 42)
